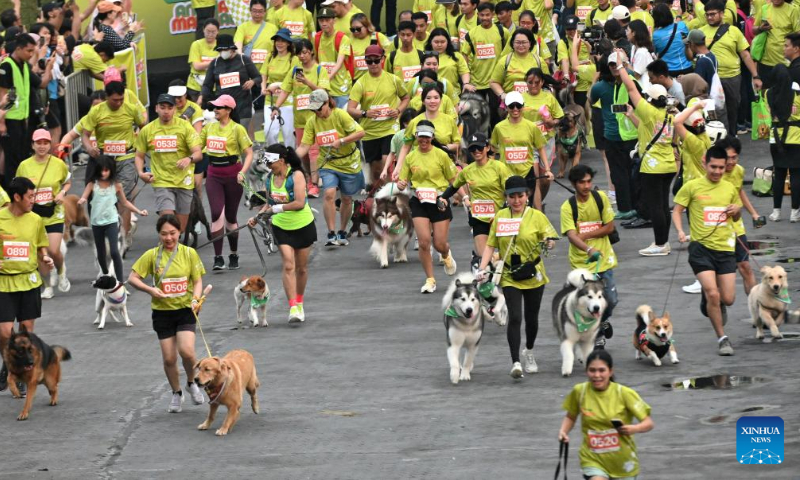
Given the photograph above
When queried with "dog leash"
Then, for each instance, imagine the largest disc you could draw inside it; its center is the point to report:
(200, 302)
(563, 456)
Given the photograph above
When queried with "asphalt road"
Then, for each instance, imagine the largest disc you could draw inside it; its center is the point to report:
(361, 389)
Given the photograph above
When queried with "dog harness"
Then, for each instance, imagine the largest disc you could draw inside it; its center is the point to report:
(214, 394)
(121, 299)
(570, 144)
(582, 324)
(659, 350)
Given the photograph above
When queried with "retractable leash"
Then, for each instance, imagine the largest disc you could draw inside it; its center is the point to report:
(200, 302)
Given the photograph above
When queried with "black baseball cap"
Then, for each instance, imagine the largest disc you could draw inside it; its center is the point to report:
(516, 184)
(166, 98)
(571, 22)
(477, 139)
(326, 12)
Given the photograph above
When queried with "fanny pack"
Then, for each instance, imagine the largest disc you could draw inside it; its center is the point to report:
(223, 161)
(524, 271)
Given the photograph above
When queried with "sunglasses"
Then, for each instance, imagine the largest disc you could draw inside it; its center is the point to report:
(514, 106)
(355, 29)
(372, 60)
(475, 148)
(220, 108)
(319, 109)
(430, 53)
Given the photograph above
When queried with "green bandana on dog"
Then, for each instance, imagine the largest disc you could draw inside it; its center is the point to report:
(783, 296)
(582, 324)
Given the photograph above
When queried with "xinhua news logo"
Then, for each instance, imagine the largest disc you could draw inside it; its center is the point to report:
(759, 441)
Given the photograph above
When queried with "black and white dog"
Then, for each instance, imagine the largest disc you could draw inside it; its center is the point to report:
(463, 321)
(391, 224)
(577, 311)
(111, 298)
(256, 176)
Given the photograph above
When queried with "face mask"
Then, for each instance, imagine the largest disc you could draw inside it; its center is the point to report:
(226, 54)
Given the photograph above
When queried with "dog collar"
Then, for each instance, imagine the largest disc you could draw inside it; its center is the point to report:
(258, 302)
(214, 394)
(121, 299)
(582, 324)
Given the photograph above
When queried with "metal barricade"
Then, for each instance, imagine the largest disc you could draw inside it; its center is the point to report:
(76, 84)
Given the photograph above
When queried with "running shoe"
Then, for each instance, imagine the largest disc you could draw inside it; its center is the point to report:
(629, 222)
(295, 315)
(741, 130)
(630, 214)
(725, 348)
(693, 288)
(655, 250)
(775, 216)
(302, 312)
(313, 191)
(233, 261)
(516, 370)
(449, 264)
(196, 393)
(219, 263)
(530, 362)
(429, 287)
(63, 281)
(332, 240)
(606, 330)
(639, 223)
(175, 405)
(47, 292)
(795, 216)
(341, 238)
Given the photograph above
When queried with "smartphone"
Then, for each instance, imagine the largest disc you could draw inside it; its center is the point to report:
(188, 114)
(619, 108)
(617, 423)
(297, 71)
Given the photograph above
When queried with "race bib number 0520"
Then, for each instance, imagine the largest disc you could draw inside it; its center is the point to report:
(603, 441)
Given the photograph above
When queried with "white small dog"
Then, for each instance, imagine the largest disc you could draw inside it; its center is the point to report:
(255, 292)
(112, 297)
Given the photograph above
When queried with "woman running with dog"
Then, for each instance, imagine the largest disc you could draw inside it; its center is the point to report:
(225, 141)
(53, 180)
(430, 171)
(273, 71)
(520, 233)
(292, 222)
(607, 410)
(177, 285)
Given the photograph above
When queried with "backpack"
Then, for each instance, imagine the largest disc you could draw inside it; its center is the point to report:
(288, 184)
(393, 55)
(715, 90)
(613, 237)
(746, 23)
(349, 61)
(499, 30)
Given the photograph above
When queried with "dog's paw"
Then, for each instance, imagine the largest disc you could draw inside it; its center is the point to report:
(777, 335)
(384, 265)
(53, 403)
(221, 432)
(96, 321)
(465, 375)
(454, 377)
(23, 416)
(129, 324)
(656, 362)
(403, 259)
(265, 324)
(675, 360)
(100, 327)
(759, 334)
(203, 426)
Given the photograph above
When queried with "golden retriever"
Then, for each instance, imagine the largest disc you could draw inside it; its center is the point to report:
(225, 381)
(769, 301)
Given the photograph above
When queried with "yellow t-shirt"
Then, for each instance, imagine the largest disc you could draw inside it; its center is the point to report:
(4, 199)
(565, 48)
(276, 69)
(603, 447)
(298, 20)
(325, 131)
(693, 151)
(445, 128)
(20, 239)
(736, 178)
(178, 281)
(793, 137)
(538, 105)
(486, 187)
(343, 24)
(430, 170)
(328, 55)
(533, 228)
(382, 94)
(727, 50)
(544, 18)
(645, 17)
(49, 186)
(784, 20)
(219, 141)
(451, 70)
(589, 220)
(700, 14)
(204, 3)
(427, 7)
(85, 58)
(447, 106)
(519, 144)
(200, 51)
(585, 77)
(464, 26)
(166, 144)
(444, 18)
(405, 64)
(600, 15)
(114, 128)
(582, 10)
(302, 94)
(510, 71)
(360, 46)
(246, 32)
(708, 222)
(660, 158)
(482, 48)
(197, 116)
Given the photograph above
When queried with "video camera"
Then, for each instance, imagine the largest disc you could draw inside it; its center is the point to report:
(593, 35)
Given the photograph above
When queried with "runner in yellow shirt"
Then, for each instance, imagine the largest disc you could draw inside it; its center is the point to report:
(377, 100)
(541, 106)
(281, 61)
(778, 18)
(344, 10)
(428, 7)
(427, 77)
(450, 64)
(201, 53)
(337, 135)
(294, 17)
(334, 53)
(444, 16)
(482, 47)
(364, 35)
(543, 9)
(430, 63)
(467, 20)
(254, 38)
(406, 61)
(713, 208)
(509, 73)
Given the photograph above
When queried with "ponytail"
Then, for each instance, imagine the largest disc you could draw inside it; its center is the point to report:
(288, 154)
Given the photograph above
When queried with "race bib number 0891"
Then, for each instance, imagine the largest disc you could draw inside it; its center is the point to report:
(16, 251)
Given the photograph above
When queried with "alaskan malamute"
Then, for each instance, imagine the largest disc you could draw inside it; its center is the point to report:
(463, 321)
(577, 310)
(391, 224)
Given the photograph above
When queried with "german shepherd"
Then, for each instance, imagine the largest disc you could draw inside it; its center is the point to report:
(32, 361)
(196, 215)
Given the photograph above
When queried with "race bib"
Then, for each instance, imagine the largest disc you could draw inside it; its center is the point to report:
(115, 148)
(507, 227)
(229, 80)
(93, 141)
(16, 251)
(327, 138)
(328, 66)
(429, 14)
(482, 208)
(361, 63)
(582, 12)
(258, 56)
(77, 55)
(603, 441)
(586, 227)
(206, 59)
(295, 27)
(43, 196)
(216, 145)
(484, 51)
(462, 35)
(542, 127)
(713, 216)
(279, 197)
(426, 195)
(175, 287)
(302, 101)
(520, 87)
(166, 143)
(409, 72)
(383, 112)
(516, 154)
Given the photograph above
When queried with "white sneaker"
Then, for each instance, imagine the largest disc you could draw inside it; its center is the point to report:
(175, 403)
(530, 362)
(655, 251)
(416, 243)
(429, 287)
(775, 216)
(63, 282)
(693, 288)
(449, 264)
(47, 292)
(516, 370)
(295, 316)
(196, 393)
(795, 216)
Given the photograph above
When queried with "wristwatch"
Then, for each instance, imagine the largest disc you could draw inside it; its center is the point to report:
(363, 113)
(756, 78)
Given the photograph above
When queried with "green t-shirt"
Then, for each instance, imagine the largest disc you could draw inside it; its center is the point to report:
(451, 70)
(397, 142)
(565, 46)
(736, 178)
(382, 94)
(483, 49)
(360, 46)
(445, 128)
(486, 187)
(444, 18)
(114, 128)
(708, 222)
(533, 228)
(430, 170)
(603, 447)
(49, 186)
(405, 65)
(246, 33)
(627, 130)
(660, 158)
(447, 106)
(200, 51)
(20, 239)
(301, 94)
(589, 220)
(544, 18)
(167, 144)
(519, 144)
(289, 219)
(325, 131)
(328, 55)
(784, 20)
(219, 141)
(645, 17)
(275, 69)
(693, 151)
(727, 49)
(178, 281)
(536, 106)
(343, 24)
(464, 26)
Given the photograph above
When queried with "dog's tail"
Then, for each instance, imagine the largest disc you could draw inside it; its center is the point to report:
(63, 353)
(391, 189)
(578, 278)
(644, 315)
(82, 236)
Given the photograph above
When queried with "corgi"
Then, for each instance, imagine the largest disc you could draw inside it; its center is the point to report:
(653, 336)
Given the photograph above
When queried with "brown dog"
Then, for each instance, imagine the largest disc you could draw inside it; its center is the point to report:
(32, 361)
(74, 214)
(653, 336)
(225, 381)
(769, 301)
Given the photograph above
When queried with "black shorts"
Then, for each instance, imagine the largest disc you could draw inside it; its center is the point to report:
(429, 211)
(702, 259)
(167, 323)
(202, 165)
(298, 239)
(597, 128)
(55, 228)
(375, 150)
(741, 253)
(479, 227)
(20, 306)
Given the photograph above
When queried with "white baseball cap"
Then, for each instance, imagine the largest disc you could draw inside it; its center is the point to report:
(620, 12)
(327, 3)
(514, 97)
(612, 58)
(656, 91)
(177, 90)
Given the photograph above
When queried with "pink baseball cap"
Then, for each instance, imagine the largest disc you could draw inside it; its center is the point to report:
(111, 75)
(42, 134)
(224, 101)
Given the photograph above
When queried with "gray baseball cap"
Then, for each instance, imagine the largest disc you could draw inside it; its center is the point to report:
(317, 99)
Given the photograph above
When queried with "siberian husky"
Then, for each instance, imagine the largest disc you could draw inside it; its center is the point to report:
(256, 176)
(463, 321)
(112, 297)
(390, 221)
(577, 310)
